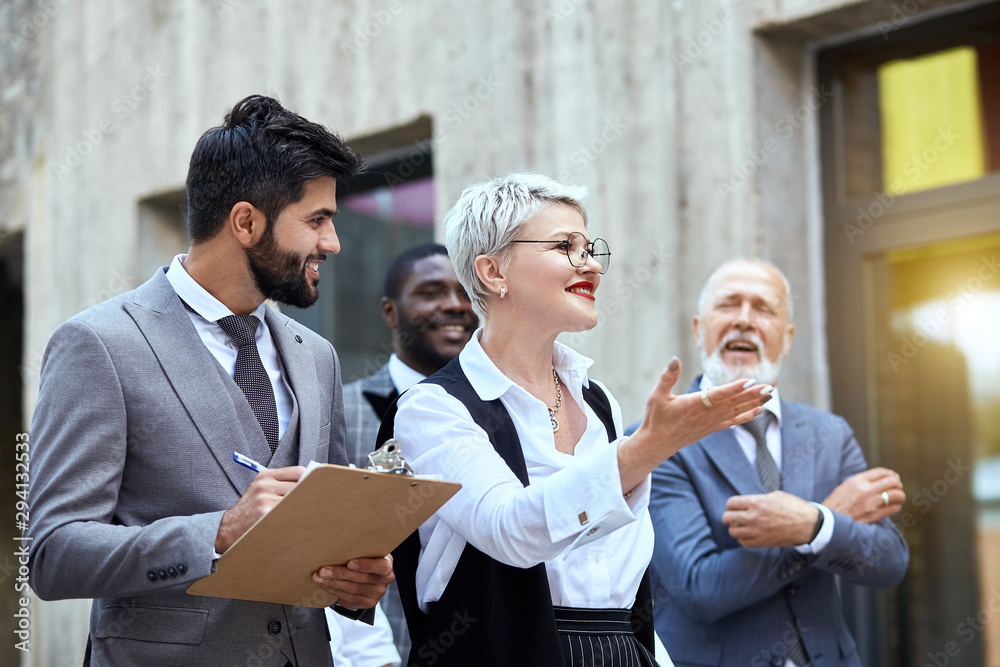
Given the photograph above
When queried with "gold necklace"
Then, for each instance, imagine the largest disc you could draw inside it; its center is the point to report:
(552, 410)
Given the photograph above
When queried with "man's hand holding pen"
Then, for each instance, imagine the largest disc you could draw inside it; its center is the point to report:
(358, 584)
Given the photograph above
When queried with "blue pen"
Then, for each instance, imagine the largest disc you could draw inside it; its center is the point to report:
(248, 462)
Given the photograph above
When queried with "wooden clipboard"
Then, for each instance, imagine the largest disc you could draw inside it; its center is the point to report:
(334, 514)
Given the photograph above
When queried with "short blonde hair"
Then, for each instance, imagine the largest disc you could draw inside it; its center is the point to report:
(488, 217)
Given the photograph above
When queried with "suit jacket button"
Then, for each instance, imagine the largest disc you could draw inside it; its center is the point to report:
(151, 575)
(161, 573)
(274, 627)
(172, 571)
(182, 568)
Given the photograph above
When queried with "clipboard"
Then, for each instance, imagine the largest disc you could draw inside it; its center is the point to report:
(332, 515)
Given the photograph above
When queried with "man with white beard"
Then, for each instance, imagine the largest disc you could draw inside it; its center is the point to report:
(754, 522)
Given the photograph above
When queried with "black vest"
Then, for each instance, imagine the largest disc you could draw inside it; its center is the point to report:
(492, 614)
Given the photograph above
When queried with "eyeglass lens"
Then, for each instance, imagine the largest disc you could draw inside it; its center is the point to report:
(579, 248)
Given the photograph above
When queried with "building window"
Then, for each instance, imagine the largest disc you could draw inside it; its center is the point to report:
(911, 155)
(382, 212)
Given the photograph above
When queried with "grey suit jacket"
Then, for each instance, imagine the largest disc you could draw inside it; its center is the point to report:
(362, 430)
(362, 422)
(718, 603)
(132, 470)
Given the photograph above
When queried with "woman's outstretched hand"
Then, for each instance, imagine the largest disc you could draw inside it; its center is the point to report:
(673, 421)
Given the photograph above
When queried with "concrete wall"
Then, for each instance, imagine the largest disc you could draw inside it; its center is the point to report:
(692, 123)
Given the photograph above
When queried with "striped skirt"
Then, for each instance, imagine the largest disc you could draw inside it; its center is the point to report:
(600, 638)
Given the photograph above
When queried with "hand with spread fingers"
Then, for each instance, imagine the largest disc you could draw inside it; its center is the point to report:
(674, 421)
(775, 519)
(868, 496)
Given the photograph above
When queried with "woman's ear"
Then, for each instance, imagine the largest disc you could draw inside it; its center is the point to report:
(489, 271)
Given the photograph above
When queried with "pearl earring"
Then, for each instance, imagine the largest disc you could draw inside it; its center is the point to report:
(503, 292)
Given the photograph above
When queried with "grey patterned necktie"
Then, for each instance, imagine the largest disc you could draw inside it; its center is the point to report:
(770, 476)
(250, 375)
(770, 479)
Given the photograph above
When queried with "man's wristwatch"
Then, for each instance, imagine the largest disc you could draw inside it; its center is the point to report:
(819, 524)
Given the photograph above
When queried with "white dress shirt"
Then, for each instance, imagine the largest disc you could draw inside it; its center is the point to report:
(356, 644)
(595, 544)
(208, 311)
(403, 377)
(773, 438)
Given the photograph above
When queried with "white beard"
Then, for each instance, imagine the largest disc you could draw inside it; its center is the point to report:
(764, 371)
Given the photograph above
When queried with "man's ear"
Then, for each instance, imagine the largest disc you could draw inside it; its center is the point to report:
(696, 329)
(247, 223)
(787, 347)
(490, 274)
(390, 313)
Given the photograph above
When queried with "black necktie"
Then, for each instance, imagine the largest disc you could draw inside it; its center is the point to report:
(770, 476)
(250, 374)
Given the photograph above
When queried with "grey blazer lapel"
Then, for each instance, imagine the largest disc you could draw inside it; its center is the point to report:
(161, 318)
(379, 382)
(724, 451)
(379, 392)
(301, 373)
(798, 453)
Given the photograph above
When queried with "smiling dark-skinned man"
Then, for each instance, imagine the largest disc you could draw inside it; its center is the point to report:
(431, 319)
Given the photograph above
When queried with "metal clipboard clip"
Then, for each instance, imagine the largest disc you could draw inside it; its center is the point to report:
(389, 458)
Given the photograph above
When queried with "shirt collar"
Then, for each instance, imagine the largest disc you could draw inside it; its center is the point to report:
(774, 405)
(403, 377)
(490, 383)
(196, 296)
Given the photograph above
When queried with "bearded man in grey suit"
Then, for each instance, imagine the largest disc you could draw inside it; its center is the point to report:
(431, 319)
(753, 523)
(144, 399)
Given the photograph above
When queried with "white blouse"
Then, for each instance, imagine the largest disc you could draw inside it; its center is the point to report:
(595, 544)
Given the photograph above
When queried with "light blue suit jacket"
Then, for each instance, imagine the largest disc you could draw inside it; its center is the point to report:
(718, 603)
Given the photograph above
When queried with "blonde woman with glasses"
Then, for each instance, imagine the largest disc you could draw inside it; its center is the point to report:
(540, 559)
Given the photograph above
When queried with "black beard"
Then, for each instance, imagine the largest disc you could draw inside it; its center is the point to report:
(412, 338)
(279, 273)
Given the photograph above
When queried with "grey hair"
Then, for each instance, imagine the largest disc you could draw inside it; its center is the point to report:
(488, 216)
(703, 297)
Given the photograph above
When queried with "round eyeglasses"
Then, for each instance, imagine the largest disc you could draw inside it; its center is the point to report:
(578, 249)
